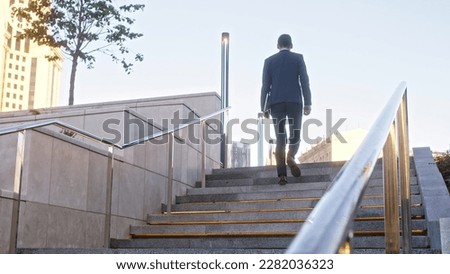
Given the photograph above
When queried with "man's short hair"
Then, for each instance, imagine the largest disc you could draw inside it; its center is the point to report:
(285, 41)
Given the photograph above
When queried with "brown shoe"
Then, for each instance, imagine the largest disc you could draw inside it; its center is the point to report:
(295, 170)
(282, 181)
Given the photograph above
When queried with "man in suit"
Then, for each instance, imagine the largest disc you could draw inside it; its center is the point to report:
(286, 81)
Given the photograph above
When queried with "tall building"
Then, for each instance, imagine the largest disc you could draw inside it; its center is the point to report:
(240, 155)
(27, 79)
(332, 149)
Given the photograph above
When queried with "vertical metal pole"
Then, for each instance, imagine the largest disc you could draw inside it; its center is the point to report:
(170, 174)
(391, 212)
(404, 166)
(224, 93)
(17, 192)
(261, 139)
(203, 152)
(109, 191)
(227, 67)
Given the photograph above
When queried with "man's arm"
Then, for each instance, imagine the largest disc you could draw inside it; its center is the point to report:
(304, 80)
(266, 84)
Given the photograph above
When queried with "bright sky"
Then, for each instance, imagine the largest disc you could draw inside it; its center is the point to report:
(356, 53)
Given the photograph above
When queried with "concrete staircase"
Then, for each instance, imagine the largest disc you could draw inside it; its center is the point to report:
(244, 210)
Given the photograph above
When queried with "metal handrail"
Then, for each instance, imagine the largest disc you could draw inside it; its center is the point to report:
(27, 126)
(169, 131)
(21, 129)
(328, 227)
(53, 122)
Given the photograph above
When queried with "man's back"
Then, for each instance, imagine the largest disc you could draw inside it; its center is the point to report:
(284, 76)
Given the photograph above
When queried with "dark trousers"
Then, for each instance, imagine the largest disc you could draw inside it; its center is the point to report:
(292, 113)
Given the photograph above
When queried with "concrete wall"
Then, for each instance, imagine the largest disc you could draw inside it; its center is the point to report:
(445, 235)
(435, 198)
(64, 179)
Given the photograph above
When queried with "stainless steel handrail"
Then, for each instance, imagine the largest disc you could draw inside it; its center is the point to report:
(329, 225)
(21, 129)
(14, 129)
(169, 131)
(53, 122)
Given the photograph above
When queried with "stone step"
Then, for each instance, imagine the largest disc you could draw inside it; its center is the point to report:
(308, 174)
(269, 216)
(268, 175)
(368, 201)
(274, 195)
(244, 173)
(423, 250)
(378, 173)
(227, 197)
(205, 250)
(258, 229)
(271, 180)
(240, 173)
(214, 244)
(308, 167)
(305, 166)
(231, 242)
(140, 250)
(292, 180)
(257, 188)
(244, 210)
(372, 188)
(418, 241)
(243, 205)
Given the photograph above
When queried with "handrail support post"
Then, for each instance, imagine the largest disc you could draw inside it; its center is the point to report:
(391, 211)
(404, 175)
(346, 247)
(170, 174)
(202, 136)
(109, 190)
(17, 192)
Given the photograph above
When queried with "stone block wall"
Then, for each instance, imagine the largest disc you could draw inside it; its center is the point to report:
(64, 178)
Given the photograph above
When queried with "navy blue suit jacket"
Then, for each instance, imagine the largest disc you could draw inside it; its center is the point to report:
(286, 78)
